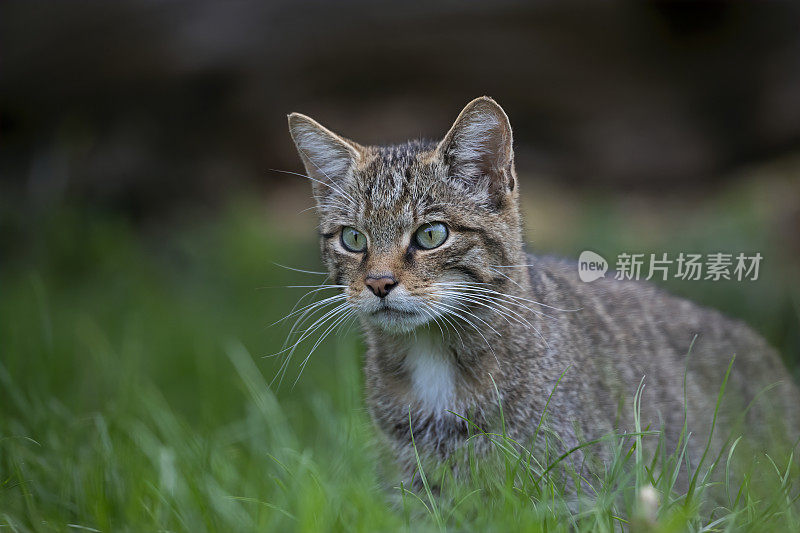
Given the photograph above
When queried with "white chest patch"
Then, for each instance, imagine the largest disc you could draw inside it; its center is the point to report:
(432, 374)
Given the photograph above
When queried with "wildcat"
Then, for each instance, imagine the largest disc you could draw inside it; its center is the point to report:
(426, 241)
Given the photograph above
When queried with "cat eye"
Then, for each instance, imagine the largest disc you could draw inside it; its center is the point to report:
(431, 235)
(353, 240)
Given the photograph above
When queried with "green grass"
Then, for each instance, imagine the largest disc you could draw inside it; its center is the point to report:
(134, 397)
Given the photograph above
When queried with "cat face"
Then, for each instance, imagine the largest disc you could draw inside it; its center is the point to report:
(414, 231)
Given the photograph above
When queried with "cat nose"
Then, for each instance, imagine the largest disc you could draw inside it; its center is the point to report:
(380, 285)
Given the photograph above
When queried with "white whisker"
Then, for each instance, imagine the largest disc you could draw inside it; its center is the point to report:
(310, 306)
(316, 289)
(464, 310)
(331, 184)
(505, 276)
(319, 287)
(428, 313)
(318, 323)
(337, 322)
(485, 301)
(456, 311)
(480, 285)
(500, 297)
(444, 317)
(301, 270)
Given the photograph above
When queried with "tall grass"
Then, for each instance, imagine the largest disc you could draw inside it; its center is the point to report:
(134, 396)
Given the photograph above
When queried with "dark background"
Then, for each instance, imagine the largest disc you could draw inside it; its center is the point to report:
(140, 106)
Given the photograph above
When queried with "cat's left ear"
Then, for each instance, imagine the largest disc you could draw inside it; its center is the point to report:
(479, 147)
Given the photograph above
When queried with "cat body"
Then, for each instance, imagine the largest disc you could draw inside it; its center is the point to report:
(467, 333)
(592, 360)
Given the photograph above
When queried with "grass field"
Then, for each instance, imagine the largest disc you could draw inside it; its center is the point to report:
(134, 393)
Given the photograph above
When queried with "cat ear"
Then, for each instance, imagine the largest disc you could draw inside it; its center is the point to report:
(479, 146)
(326, 156)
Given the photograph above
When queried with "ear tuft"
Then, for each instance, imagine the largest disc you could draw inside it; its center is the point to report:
(479, 145)
(327, 157)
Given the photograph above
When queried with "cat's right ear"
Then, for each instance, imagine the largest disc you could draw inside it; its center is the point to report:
(326, 156)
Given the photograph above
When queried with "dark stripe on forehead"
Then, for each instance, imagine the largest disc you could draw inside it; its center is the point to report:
(367, 194)
(390, 175)
(405, 192)
(404, 153)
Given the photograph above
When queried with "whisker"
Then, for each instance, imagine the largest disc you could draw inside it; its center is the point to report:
(313, 287)
(318, 323)
(483, 300)
(457, 311)
(328, 202)
(322, 286)
(301, 270)
(428, 313)
(331, 184)
(315, 325)
(444, 317)
(310, 306)
(316, 289)
(462, 309)
(308, 310)
(496, 297)
(337, 322)
(509, 312)
(480, 285)
(505, 276)
(479, 301)
(338, 319)
(353, 320)
(307, 209)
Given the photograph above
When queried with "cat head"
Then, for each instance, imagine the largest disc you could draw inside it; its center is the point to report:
(408, 228)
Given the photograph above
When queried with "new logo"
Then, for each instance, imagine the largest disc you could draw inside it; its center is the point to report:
(591, 266)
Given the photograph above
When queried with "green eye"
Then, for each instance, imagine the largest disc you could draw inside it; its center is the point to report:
(431, 235)
(353, 240)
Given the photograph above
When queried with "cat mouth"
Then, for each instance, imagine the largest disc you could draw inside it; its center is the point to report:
(392, 312)
(397, 319)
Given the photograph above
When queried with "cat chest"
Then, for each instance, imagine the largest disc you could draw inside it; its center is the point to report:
(431, 373)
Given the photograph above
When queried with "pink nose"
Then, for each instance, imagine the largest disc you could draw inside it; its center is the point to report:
(380, 286)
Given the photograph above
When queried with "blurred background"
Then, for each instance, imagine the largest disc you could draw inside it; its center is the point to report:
(141, 218)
